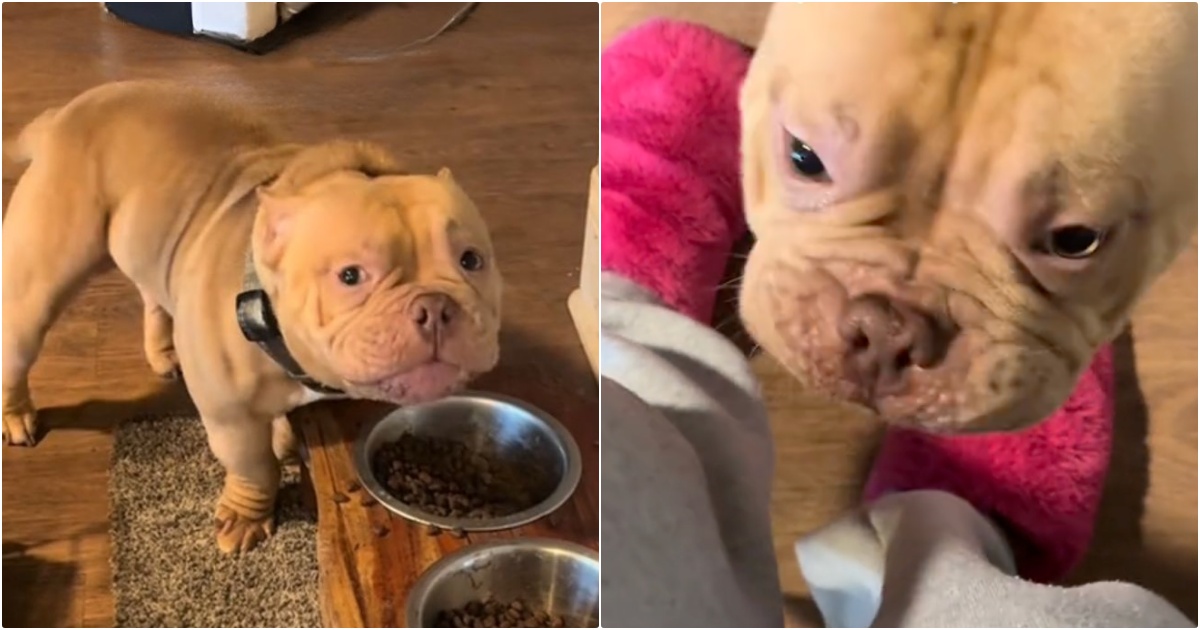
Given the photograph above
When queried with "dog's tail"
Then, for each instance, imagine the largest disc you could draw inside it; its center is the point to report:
(29, 141)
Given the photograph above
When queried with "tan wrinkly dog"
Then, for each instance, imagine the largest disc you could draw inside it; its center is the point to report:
(956, 204)
(384, 284)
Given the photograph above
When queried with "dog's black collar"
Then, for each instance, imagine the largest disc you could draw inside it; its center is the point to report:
(257, 320)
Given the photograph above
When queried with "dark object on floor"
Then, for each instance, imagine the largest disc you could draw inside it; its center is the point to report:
(289, 21)
(167, 571)
(250, 27)
(168, 17)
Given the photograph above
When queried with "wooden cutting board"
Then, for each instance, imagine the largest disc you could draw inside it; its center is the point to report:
(369, 558)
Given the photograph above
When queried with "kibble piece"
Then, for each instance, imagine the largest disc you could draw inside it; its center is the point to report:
(354, 487)
(490, 613)
(446, 478)
(366, 500)
(340, 498)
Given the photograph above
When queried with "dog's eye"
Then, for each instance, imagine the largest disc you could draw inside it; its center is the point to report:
(1074, 241)
(351, 276)
(805, 160)
(471, 260)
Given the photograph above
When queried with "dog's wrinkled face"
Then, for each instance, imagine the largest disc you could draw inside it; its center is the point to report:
(956, 204)
(386, 286)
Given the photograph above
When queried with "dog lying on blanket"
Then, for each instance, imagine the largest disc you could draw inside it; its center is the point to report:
(955, 205)
(273, 274)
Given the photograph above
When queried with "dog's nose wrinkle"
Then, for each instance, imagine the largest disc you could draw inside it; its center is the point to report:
(884, 339)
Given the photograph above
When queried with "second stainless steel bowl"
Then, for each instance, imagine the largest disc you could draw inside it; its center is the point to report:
(554, 576)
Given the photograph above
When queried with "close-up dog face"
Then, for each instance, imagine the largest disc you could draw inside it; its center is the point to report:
(955, 205)
(388, 284)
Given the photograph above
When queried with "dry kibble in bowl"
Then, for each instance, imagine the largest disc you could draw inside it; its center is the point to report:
(447, 479)
(490, 613)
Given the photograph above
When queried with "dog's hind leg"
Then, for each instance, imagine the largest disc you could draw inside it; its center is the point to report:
(54, 237)
(283, 441)
(159, 338)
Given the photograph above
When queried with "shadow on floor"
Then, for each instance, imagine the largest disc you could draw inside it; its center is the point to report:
(321, 16)
(1118, 539)
(801, 612)
(35, 589)
(104, 415)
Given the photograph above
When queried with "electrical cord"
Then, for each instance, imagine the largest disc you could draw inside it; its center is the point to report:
(455, 20)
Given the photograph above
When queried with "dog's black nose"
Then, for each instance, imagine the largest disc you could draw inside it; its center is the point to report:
(432, 311)
(884, 338)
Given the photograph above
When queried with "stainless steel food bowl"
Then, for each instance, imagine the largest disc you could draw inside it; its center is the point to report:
(559, 577)
(490, 424)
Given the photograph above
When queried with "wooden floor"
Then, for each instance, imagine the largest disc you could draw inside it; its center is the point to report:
(1147, 525)
(508, 100)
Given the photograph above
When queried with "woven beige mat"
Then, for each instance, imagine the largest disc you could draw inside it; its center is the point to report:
(167, 571)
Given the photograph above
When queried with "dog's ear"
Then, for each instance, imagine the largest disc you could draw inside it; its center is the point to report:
(279, 202)
(273, 225)
(445, 174)
(317, 161)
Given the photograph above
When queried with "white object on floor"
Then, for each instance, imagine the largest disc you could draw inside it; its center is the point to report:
(238, 21)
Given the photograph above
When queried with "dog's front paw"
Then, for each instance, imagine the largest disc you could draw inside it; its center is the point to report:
(164, 363)
(238, 533)
(20, 427)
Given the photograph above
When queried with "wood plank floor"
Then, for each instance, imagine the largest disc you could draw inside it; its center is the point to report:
(1147, 525)
(508, 100)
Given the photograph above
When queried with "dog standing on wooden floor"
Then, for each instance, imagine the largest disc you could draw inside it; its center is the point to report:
(273, 274)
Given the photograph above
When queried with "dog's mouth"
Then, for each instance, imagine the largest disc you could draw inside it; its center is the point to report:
(408, 360)
(967, 385)
(424, 382)
(868, 344)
